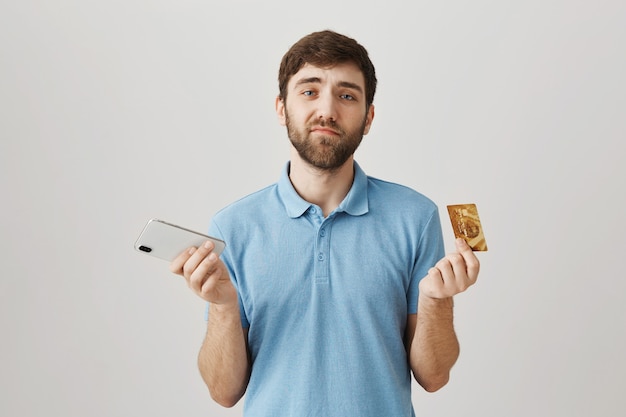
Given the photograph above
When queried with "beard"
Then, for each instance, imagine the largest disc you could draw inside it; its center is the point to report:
(327, 153)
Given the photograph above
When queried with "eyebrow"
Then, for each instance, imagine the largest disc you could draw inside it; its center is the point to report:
(317, 80)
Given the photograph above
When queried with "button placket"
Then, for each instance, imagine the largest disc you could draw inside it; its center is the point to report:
(322, 266)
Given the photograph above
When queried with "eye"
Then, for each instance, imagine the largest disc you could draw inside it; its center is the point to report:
(308, 93)
(347, 97)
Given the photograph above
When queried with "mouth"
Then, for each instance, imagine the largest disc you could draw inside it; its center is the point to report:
(324, 131)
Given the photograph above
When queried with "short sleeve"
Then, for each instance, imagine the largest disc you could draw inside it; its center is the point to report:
(429, 251)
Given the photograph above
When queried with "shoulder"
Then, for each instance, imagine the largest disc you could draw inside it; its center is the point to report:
(240, 219)
(382, 192)
(249, 204)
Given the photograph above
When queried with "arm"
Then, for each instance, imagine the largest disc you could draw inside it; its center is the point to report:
(432, 344)
(223, 359)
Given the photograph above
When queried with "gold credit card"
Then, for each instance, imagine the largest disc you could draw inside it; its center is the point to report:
(466, 225)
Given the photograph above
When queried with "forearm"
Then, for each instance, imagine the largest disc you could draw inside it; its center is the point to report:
(435, 347)
(223, 359)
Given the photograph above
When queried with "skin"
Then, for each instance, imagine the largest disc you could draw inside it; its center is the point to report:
(332, 96)
(326, 116)
(223, 360)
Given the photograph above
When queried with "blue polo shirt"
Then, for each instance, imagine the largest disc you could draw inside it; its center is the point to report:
(326, 299)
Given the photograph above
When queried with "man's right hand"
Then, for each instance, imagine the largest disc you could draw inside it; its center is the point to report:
(205, 274)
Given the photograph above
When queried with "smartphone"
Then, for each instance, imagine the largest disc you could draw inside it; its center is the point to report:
(166, 241)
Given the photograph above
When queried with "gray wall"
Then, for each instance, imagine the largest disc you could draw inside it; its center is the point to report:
(114, 112)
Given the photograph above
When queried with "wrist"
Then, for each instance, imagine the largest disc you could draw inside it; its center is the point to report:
(435, 305)
(224, 309)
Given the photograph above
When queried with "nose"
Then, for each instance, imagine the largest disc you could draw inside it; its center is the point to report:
(326, 107)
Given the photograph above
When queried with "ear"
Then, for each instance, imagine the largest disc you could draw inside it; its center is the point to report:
(368, 120)
(280, 111)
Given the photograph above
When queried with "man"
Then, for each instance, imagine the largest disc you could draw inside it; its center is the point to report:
(333, 286)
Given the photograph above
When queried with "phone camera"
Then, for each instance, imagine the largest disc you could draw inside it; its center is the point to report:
(145, 249)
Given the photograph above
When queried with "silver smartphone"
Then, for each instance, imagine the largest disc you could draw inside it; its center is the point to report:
(166, 241)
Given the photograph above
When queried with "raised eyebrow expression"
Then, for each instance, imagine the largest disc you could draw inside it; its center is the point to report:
(342, 84)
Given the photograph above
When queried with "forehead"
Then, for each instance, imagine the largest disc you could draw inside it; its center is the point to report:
(346, 72)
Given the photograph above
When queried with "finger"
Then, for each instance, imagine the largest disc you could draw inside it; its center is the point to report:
(196, 258)
(472, 264)
(212, 274)
(176, 266)
(446, 269)
(435, 274)
(454, 273)
(457, 263)
(434, 283)
(203, 273)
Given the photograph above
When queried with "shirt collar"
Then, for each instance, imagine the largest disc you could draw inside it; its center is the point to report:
(355, 203)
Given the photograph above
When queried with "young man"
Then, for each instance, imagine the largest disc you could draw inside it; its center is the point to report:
(333, 286)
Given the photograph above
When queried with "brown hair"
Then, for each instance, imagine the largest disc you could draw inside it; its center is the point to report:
(325, 49)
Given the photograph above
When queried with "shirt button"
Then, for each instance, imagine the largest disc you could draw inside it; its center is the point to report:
(322, 232)
(320, 257)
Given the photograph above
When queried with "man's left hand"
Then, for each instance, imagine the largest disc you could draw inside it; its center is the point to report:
(453, 274)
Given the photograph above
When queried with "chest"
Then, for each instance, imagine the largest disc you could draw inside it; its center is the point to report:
(336, 267)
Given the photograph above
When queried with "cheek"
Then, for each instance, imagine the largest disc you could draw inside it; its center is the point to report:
(297, 118)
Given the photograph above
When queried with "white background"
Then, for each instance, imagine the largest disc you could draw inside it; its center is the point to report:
(113, 112)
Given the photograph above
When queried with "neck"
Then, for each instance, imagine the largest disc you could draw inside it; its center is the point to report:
(324, 188)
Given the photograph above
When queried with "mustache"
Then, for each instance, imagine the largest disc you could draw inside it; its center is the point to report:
(327, 123)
